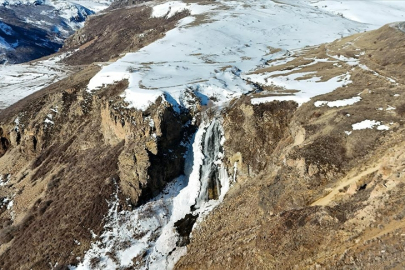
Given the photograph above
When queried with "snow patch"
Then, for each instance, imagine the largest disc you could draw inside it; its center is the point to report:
(48, 121)
(4, 181)
(308, 88)
(369, 124)
(338, 103)
(383, 127)
(170, 8)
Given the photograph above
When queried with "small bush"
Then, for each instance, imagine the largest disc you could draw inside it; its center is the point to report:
(401, 110)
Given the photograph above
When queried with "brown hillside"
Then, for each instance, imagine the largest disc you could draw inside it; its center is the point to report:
(324, 199)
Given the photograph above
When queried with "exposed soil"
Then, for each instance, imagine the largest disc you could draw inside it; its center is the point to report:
(108, 35)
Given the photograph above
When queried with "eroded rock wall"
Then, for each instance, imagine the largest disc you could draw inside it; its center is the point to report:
(64, 152)
(252, 133)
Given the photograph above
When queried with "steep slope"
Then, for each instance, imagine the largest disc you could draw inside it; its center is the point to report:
(213, 133)
(65, 156)
(33, 29)
(329, 194)
(64, 151)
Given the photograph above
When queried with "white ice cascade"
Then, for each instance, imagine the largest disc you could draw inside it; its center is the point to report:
(156, 234)
(213, 175)
(207, 185)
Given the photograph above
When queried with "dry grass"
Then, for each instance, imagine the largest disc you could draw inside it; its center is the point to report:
(107, 36)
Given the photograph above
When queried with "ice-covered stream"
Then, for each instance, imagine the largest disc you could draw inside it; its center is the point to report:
(154, 236)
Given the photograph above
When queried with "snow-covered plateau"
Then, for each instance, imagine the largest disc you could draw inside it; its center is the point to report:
(212, 49)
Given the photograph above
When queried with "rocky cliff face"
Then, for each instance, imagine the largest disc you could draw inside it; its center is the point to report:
(64, 154)
(260, 127)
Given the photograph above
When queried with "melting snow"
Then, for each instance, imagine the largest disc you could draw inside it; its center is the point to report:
(389, 108)
(21, 80)
(369, 124)
(308, 87)
(338, 103)
(348, 60)
(235, 35)
(377, 74)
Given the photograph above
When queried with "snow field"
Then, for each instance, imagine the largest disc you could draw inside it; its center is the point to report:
(204, 57)
(21, 80)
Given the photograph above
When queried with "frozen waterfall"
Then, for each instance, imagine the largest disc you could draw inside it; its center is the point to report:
(155, 235)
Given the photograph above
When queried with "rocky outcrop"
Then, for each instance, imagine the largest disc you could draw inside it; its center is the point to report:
(260, 128)
(66, 150)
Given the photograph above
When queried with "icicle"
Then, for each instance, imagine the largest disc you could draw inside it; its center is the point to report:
(235, 171)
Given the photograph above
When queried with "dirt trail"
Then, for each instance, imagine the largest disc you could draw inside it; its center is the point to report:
(343, 183)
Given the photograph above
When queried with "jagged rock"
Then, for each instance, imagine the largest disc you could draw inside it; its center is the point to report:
(73, 160)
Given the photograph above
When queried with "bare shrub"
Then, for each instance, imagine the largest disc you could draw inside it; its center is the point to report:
(401, 109)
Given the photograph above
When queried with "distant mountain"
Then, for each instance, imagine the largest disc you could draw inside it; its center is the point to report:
(35, 28)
